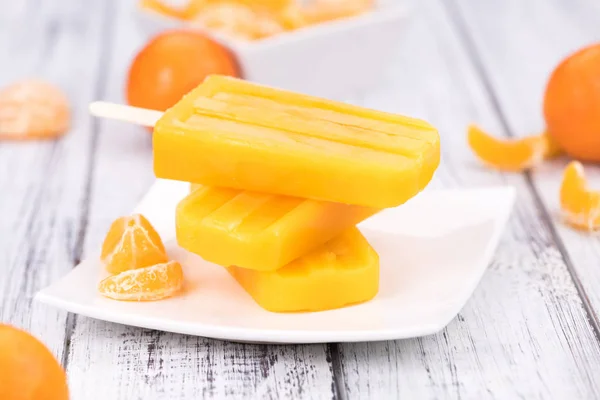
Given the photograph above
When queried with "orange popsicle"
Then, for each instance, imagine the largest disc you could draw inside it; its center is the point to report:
(343, 271)
(237, 134)
(256, 230)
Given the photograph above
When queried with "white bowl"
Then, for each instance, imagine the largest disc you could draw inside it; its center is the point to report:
(334, 59)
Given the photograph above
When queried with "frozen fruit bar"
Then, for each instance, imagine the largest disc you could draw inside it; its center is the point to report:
(237, 134)
(343, 271)
(256, 230)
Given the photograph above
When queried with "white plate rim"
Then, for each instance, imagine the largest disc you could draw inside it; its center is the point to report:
(236, 334)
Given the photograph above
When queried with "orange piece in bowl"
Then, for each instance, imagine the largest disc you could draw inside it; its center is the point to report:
(185, 12)
(172, 64)
(33, 109)
(132, 243)
(238, 21)
(580, 206)
(155, 282)
(572, 104)
(511, 154)
(327, 10)
(28, 370)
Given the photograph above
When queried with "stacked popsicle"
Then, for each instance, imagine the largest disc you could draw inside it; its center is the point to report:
(280, 181)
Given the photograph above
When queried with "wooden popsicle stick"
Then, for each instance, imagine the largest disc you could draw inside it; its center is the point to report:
(121, 112)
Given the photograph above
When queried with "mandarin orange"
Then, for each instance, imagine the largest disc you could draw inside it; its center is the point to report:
(144, 284)
(131, 243)
(172, 64)
(580, 206)
(238, 21)
(511, 154)
(188, 11)
(33, 109)
(572, 104)
(28, 370)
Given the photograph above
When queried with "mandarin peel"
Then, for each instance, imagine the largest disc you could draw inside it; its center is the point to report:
(580, 206)
(511, 154)
(151, 283)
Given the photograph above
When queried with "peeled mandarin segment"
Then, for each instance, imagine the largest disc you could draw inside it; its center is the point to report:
(33, 110)
(237, 134)
(144, 284)
(343, 271)
(131, 243)
(292, 17)
(256, 230)
(238, 21)
(580, 206)
(188, 11)
(327, 10)
(511, 154)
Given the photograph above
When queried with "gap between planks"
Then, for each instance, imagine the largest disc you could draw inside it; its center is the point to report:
(458, 22)
(99, 89)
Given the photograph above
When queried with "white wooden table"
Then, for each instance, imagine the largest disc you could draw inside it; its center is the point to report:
(530, 331)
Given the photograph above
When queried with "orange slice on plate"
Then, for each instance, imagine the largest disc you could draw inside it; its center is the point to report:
(144, 284)
(33, 110)
(131, 243)
(511, 154)
(580, 206)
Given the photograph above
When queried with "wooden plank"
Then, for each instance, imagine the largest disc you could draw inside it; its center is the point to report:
(118, 362)
(43, 185)
(518, 54)
(109, 361)
(525, 332)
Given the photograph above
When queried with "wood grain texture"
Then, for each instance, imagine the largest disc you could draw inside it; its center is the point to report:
(518, 47)
(109, 361)
(525, 332)
(43, 185)
(118, 362)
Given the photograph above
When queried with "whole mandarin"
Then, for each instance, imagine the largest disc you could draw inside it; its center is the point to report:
(172, 64)
(572, 104)
(28, 370)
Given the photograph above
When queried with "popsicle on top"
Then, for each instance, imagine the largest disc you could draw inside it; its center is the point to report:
(341, 272)
(232, 133)
(258, 231)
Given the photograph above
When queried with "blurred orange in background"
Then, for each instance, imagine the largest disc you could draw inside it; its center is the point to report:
(172, 64)
(28, 371)
(572, 104)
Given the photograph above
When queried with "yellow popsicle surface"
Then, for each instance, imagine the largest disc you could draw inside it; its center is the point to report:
(343, 271)
(237, 134)
(256, 230)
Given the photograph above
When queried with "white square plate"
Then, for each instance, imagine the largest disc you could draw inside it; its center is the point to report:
(433, 252)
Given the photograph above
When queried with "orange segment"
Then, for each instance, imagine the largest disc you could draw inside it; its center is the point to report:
(238, 21)
(327, 10)
(186, 12)
(580, 205)
(131, 243)
(144, 284)
(33, 110)
(511, 154)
